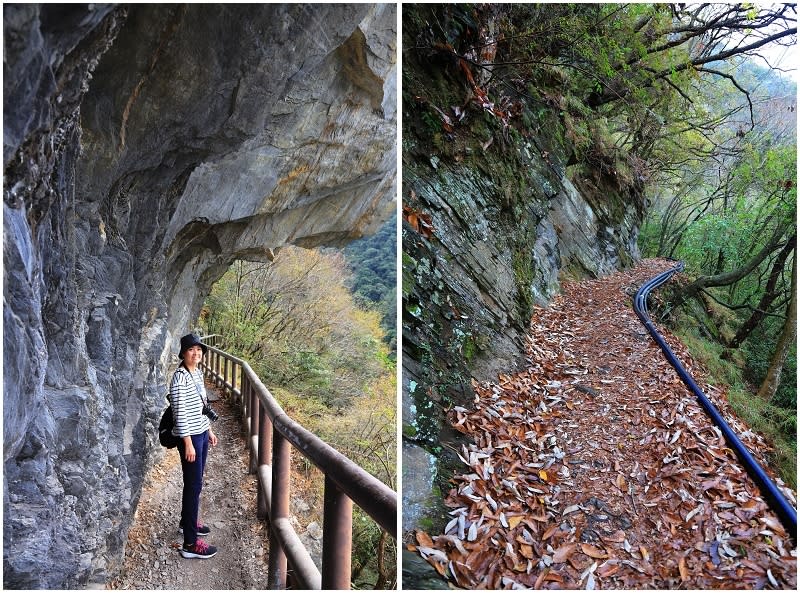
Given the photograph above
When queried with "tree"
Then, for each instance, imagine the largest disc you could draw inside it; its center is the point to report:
(785, 341)
(706, 33)
(770, 294)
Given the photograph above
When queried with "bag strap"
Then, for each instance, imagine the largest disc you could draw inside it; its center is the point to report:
(203, 401)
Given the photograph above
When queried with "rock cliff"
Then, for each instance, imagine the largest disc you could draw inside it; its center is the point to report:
(145, 148)
(496, 213)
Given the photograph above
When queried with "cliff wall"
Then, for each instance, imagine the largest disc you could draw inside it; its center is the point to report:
(146, 148)
(498, 209)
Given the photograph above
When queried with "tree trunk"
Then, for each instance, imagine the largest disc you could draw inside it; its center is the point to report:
(768, 297)
(382, 573)
(773, 378)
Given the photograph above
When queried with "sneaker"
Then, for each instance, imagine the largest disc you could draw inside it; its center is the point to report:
(202, 530)
(199, 549)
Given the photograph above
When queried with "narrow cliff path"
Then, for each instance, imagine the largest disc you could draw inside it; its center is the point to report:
(228, 507)
(595, 467)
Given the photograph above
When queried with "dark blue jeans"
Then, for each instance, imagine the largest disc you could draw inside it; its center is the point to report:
(192, 485)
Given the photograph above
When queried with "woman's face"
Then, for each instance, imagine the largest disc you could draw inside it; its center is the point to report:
(193, 355)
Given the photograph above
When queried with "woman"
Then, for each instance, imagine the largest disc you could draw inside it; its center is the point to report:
(188, 397)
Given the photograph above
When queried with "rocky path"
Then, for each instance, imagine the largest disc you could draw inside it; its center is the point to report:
(228, 507)
(595, 467)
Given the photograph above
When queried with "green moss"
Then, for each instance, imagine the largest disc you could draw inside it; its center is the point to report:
(409, 281)
(774, 423)
(523, 274)
(469, 348)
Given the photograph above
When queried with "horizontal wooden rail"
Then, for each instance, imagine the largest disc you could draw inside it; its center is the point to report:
(271, 433)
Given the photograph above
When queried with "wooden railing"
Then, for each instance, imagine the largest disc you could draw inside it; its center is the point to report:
(271, 433)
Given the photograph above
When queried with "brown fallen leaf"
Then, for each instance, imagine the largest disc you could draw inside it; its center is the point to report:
(593, 552)
(527, 551)
(541, 578)
(440, 568)
(773, 524)
(514, 521)
(563, 553)
(552, 576)
(549, 532)
(423, 539)
(751, 505)
(621, 483)
(682, 569)
(617, 537)
(608, 569)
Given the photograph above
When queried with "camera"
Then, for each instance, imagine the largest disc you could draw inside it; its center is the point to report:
(209, 411)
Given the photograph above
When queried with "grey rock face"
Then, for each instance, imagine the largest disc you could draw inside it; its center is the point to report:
(506, 223)
(146, 148)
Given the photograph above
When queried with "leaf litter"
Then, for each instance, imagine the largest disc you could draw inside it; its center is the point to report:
(595, 468)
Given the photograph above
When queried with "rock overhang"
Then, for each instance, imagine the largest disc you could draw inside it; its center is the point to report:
(208, 133)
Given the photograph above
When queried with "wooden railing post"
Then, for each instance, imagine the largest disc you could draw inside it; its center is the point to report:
(246, 389)
(234, 366)
(216, 371)
(337, 537)
(255, 415)
(264, 454)
(281, 461)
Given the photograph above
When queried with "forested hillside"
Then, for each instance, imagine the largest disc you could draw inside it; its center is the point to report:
(545, 144)
(729, 211)
(373, 260)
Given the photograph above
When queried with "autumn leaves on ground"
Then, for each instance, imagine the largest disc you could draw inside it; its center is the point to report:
(595, 467)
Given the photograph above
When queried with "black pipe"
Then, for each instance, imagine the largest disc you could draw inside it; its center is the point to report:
(785, 511)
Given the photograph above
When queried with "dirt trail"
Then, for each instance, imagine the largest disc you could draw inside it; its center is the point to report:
(596, 468)
(228, 507)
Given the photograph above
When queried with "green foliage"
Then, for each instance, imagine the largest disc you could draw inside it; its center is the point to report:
(299, 326)
(374, 263)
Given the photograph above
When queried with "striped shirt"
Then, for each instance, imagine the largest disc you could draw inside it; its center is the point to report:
(187, 405)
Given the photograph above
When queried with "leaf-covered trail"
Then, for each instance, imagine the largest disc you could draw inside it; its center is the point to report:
(228, 507)
(596, 468)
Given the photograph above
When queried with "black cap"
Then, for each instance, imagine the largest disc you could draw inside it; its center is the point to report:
(188, 341)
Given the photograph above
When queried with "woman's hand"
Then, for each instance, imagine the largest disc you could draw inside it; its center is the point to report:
(212, 438)
(190, 453)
